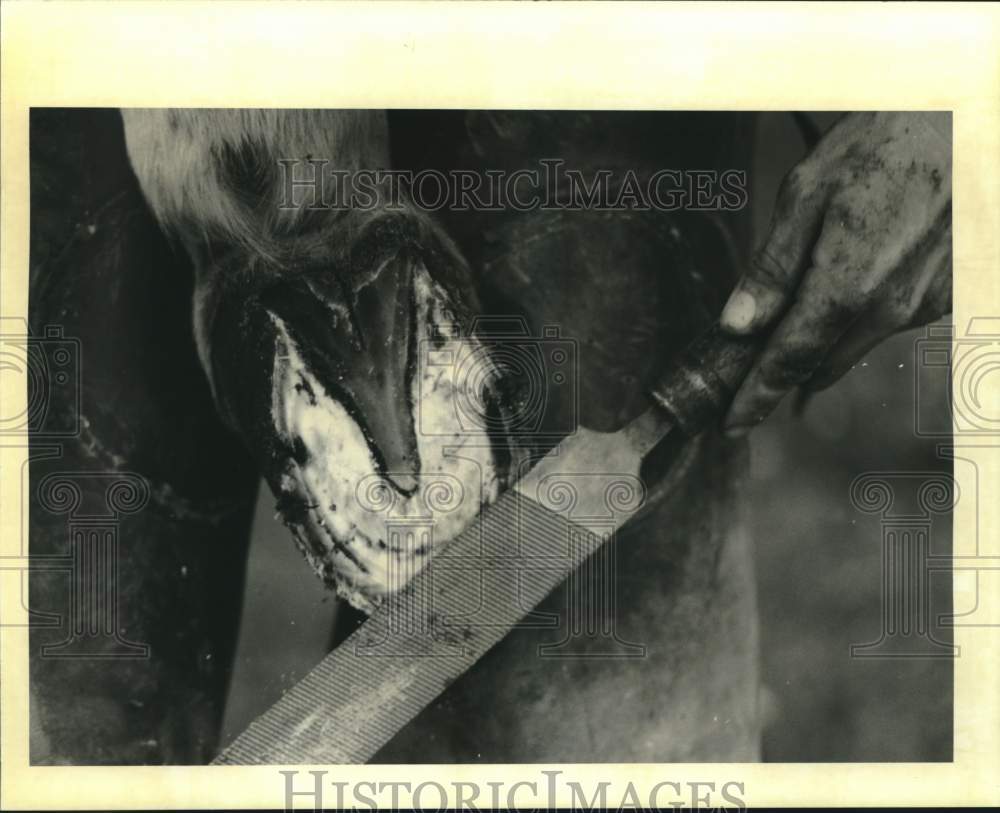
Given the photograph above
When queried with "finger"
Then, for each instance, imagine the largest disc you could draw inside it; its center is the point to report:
(798, 346)
(853, 346)
(912, 298)
(926, 294)
(777, 267)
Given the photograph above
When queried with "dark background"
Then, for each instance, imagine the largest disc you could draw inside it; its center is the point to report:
(818, 560)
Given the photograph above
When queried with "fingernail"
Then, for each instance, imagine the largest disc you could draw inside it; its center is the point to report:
(739, 311)
(736, 432)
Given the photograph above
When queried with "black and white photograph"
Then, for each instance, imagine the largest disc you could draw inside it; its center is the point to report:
(500, 435)
(395, 318)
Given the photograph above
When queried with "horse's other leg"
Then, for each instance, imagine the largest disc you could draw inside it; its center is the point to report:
(136, 669)
(652, 656)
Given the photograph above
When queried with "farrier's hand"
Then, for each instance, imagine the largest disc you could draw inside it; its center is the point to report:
(859, 248)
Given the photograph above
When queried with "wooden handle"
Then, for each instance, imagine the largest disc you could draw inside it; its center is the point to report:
(700, 385)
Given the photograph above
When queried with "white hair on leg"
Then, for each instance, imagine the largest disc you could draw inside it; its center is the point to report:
(214, 174)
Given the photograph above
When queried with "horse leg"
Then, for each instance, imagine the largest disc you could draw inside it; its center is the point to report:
(151, 488)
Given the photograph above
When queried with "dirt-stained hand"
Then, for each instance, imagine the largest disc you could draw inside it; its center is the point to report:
(859, 248)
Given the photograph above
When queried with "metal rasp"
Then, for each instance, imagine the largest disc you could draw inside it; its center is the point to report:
(489, 578)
